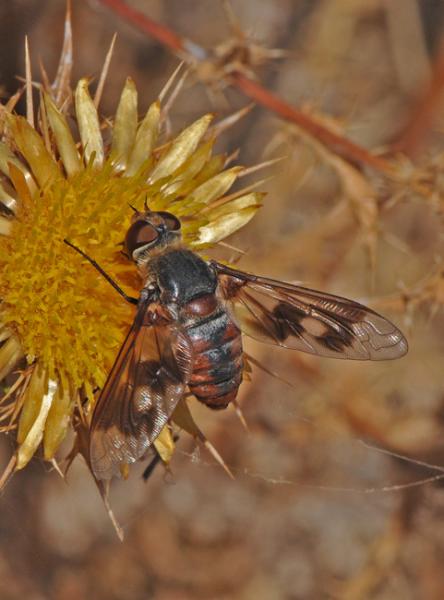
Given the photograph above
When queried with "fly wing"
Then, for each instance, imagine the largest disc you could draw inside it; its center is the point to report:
(297, 317)
(143, 388)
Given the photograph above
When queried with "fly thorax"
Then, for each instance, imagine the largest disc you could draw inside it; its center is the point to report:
(182, 276)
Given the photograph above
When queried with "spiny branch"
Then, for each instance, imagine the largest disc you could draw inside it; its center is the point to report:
(192, 53)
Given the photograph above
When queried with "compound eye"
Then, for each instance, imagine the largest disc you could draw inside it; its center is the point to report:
(140, 234)
(172, 223)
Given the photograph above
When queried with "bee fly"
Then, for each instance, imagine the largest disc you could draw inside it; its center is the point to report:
(186, 335)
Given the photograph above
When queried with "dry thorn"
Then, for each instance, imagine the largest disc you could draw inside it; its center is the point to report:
(232, 157)
(44, 76)
(212, 450)
(28, 77)
(231, 247)
(61, 86)
(12, 101)
(224, 124)
(232, 19)
(240, 415)
(104, 73)
(21, 398)
(8, 472)
(175, 92)
(263, 165)
(13, 387)
(104, 492)
(57, 468)
(44, 125)
(170, 81)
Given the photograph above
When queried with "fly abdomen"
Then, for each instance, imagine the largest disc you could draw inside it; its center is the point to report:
(218, 364)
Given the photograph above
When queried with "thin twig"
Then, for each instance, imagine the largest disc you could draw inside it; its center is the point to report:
(161, 33)
(339, 145)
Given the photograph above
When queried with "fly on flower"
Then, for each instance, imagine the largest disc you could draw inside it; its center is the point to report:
(59, 182)
(68, 173)
(187, 335)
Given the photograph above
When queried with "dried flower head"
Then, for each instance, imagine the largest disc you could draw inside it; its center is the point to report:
(58, 315)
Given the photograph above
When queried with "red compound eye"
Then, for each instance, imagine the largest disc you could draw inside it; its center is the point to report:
(140, 234)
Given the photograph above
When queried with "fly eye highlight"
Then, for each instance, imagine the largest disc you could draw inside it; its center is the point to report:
(140, 234)
(172, 223)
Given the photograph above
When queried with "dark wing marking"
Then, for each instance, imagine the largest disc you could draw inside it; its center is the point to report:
(147, 380)
(297, 317)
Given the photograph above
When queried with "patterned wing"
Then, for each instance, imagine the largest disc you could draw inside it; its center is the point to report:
(143, 388)
(296, 317)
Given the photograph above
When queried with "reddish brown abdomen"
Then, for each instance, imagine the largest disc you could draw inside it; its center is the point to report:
(217, 345)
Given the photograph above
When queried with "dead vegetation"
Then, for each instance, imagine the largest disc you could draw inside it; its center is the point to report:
(337, 491)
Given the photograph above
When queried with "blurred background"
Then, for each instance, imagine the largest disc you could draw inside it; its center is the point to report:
(332, 495)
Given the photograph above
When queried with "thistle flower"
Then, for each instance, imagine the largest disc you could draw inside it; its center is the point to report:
(61, 323)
